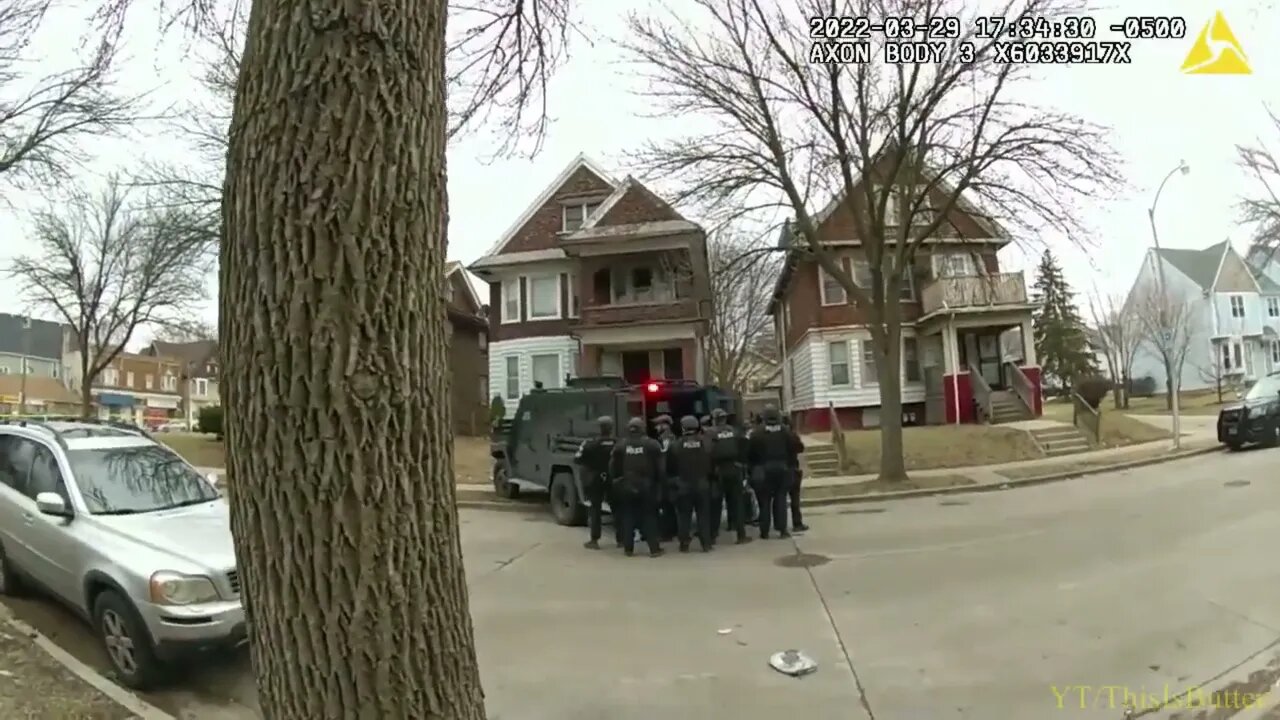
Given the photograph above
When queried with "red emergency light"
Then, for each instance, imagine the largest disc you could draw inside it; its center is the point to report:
(651, 387)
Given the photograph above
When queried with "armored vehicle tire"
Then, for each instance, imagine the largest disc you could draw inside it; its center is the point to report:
(565, 507)
(503, 487)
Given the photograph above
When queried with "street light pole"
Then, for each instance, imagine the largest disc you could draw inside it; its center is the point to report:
(1174, 379)
(26, 350)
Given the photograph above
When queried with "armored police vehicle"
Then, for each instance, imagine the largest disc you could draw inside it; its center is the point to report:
(534, 450)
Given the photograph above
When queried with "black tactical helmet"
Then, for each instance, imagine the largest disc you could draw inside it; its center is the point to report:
(689, 423)
(705, 421)
(606, 424)
(786, 421)
(771, 414)
(719, 416)
(662, 420)
(635, 425)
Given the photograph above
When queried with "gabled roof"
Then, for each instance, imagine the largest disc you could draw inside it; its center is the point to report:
(581, 161)
(1200, 266)
(454, 266)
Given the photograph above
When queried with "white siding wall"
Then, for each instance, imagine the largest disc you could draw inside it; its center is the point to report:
(799, 373)
(523, 350)
(814, 387)
(1197, 370)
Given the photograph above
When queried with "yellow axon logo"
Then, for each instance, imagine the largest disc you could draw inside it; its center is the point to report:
(1216, 51)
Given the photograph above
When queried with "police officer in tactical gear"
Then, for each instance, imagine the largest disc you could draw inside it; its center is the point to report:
(688, 483)
(797, 475)
(704, 423)
(769, 451)
(666, 509)
(593, 457)
(728, 455)
(637, 467)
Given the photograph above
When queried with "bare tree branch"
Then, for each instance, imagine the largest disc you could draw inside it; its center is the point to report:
(1262, 206)
(742, 274)
(929, 139)
(44, 118)
(105, 270)
(1119, 335)
(1167, 327)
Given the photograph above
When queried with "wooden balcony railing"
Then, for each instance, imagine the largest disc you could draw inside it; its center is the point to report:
(981, 393)
(1022, 385)
(593, 315)
(973, 291)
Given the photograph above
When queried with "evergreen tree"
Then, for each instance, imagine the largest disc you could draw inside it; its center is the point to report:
(1062, 345)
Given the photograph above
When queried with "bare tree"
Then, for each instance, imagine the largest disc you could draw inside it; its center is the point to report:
(742, 274)
(45, 118)
(1119, 334)
(335, 213)
(105, 270)
(193, 330)
(1167, 328)
(789, 128)
(1262, 206)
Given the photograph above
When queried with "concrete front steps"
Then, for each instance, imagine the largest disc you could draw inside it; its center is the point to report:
(1007, 407)
(820, 461)
(1060, 440)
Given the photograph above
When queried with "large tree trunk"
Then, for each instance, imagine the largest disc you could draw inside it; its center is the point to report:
(86, 383)
(338, 424)
(893, 466)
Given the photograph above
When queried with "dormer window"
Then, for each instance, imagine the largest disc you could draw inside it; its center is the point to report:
(576, 214)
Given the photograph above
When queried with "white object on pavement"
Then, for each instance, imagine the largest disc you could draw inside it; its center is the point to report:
(793, 663)
(724, 631)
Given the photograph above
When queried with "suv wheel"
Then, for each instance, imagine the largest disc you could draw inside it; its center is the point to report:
(503, 487)
(125, 640)
(10, 580)
(564, 501)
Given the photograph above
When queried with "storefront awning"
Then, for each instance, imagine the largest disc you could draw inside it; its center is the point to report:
(115, 400)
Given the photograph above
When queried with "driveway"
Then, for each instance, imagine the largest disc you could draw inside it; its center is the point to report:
(1020, 604)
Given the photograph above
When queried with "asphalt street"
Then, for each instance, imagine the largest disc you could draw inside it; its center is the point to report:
(1063, 600)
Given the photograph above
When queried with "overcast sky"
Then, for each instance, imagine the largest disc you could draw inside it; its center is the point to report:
(1160, 116)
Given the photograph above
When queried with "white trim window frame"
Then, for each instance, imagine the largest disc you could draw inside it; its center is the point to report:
(915, 357)
(839, 371)
(1273, 354)
(1273, 306)
(1236, 303)
(547, 383)
(531, 285)
(582, 209)
(955, 263)
(824, 296)
(511, 380)
(867, 365)
(510, 301)
(1231, 357)
(862, 278)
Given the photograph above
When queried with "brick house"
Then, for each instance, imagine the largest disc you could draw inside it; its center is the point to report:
(958, 312)
(596, 277)
(198, 383)
(468, 352)
(141, 389)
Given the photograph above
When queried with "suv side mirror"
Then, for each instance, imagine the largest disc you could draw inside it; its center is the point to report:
(50, 503)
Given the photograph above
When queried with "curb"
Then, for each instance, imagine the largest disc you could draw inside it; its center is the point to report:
(1006, 484)
(114, 692)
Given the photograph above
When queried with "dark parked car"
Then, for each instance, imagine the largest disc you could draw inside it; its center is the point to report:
(1256, 419)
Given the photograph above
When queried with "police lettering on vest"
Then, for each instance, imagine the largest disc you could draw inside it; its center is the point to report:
(635, 449)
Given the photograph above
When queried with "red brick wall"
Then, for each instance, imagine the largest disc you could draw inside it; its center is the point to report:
(539, 231)
(638, 205)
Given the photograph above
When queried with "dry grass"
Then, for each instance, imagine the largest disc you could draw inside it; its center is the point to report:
(1021, 473)
(1118, 429)
(1199, 402)
(471, 460)
(869, 487)
(942, 446)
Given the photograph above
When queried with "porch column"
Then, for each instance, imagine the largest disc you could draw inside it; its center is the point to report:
(1028, 343)
(589, 361)
(950, 351)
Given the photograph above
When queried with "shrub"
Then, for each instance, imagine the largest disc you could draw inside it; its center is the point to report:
(1144, 386)
(497, 410)
(1093, 389)
(210, 420)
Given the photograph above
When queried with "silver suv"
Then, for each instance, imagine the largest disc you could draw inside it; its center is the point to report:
(126, 533)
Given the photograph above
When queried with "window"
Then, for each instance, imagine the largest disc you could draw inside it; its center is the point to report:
(572, 280)
(53, 371)
(146, 381)
(869, 376)
(137, 479)
(1273, 307)
(511, 301)
(546, 370)
(45, 475)
(16, 455)
(910, 360)
(482, 340)
(791, 381)
(202, 387)
(1275, 354)
(128, 379)
(169, 383)
(544, 297)
(831, 290)
(1232, 357)
(1237, 306)
(838, 359)
(954, 264)
(110, 377)
(4, 370)
(891, 218)
(575, 216)
(513, 377)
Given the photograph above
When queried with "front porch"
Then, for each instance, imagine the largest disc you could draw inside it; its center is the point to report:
(980, 366)
(640, 355)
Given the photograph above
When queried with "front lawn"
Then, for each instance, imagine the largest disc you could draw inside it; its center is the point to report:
(1118, 429)
(942, 446)
(471, 462)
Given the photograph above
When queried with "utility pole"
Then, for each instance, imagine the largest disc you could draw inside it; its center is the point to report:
(26, 350)
(1167, 333)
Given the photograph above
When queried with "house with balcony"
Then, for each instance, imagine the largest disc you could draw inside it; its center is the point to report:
(198, 380)
(598, 276)
(960, 313)
(1231, 311)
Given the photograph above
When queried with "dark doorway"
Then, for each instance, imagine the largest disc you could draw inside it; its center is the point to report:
(635, 367)
(672, 364)
(982, 351)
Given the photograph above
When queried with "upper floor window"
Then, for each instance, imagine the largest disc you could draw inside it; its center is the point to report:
(862, 276)
(830, 289)
(511, 301)
(638, 284)
(1273, 307)
(838, 361)
(169, 383)
(1237, 306)
(128, 379)
(544, 297)
(146, 381)
(202, 387)
(110, 377)
(954, 264)
(575, 215)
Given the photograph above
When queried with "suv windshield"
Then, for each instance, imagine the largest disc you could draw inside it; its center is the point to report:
(136, 479)
(1268, 388)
